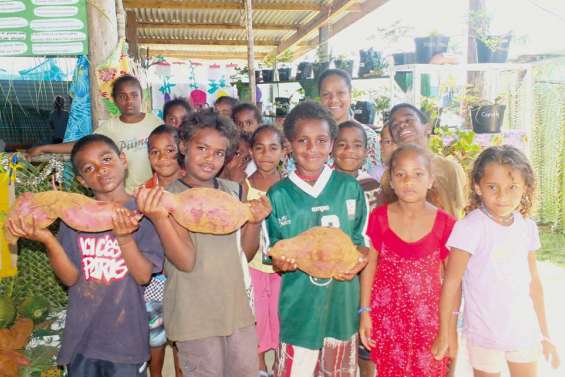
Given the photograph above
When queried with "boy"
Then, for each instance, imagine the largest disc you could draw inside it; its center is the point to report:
(319, 319)
(206, 310)
(349, 153)
(106, 329)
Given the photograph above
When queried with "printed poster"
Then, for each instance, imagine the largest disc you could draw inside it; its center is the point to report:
(43, 28)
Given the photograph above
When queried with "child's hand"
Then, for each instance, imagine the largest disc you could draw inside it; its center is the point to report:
(283, 264)
(365, 331)
(260, 209)
(19, 228)
(149, 203)
(550, 352)
(440, 347)
(349, 275)
(124, 222)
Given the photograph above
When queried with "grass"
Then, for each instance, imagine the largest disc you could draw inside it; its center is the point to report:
(552, 247)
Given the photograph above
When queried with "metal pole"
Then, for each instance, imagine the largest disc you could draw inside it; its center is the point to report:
(250, 53)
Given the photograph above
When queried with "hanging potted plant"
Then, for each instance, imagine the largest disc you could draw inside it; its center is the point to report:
(486, 116)
(372, 63)
(284, 69)
(427, 47)
(345, 63)
(490, 48)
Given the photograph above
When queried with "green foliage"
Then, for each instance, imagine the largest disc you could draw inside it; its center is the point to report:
(458, 143)
(479, 22)
(552, 247)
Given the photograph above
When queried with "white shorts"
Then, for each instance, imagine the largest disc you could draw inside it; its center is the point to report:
(493, 361)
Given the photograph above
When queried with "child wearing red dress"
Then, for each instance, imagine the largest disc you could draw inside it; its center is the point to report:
(409, 236)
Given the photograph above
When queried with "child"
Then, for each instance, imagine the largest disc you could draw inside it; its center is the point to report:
(106, 330)
(164, 159)
(129, 131)
(493, 253)
(318, 317)
(409, 236)
(267, 150)
(247, 117)
(349, 154)
(206, 308)
(235, 167)
(176, 111)
(387, 147)
(224, 105)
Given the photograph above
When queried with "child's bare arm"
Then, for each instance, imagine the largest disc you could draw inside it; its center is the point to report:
(175, 239)
(62, 265)
(260, 209)
(139, 267)
(536, 292)
(63, 148)
(367, 279)
(450, 297)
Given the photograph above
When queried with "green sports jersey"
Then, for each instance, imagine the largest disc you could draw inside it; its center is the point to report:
(312, 309)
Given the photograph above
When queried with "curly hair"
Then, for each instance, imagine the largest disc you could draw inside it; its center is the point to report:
(210, 119)
(509, 156)
(308, 110)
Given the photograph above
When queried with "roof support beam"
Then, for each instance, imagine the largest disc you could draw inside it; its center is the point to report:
(203, 42)
(189, 4)
(207, 55)
(211, 26)
(366, 8)
(326, 13)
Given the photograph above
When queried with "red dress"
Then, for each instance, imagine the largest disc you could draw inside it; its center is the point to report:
(405, 297)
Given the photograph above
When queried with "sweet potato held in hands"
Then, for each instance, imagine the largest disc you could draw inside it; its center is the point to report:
(76, 210)
(206, 210)
(322, 252)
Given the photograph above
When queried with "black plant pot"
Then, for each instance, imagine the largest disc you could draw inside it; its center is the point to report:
(282, 105)
(487, 119)
(258, 77)
(284, 74)
(304, 71)
(427, 47)
(497, 55)
(404, 58)
(319, 68)
(345, 64)
(267, 75)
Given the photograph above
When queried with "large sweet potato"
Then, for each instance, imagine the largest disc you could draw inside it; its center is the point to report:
(321, 251)
(77, 211)
(206, 210)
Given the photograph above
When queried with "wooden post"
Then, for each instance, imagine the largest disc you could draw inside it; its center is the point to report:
(475, 79)
(131, 35)
(250, 52)
(102, 40)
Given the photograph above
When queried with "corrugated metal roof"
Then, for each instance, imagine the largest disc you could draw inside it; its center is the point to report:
(200, 25)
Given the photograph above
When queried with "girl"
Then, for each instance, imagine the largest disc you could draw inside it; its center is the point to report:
(267, 151)
(176, 111)
(409, 236)
(493, 253)
(163, 156)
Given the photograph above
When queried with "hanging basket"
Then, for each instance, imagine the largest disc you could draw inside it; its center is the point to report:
(427, 47)
(487, 119)
(493, 54)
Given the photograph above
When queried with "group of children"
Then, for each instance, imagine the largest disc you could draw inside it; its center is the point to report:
(225, 302)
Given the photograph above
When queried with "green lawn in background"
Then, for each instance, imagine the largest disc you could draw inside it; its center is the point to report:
(552, 248)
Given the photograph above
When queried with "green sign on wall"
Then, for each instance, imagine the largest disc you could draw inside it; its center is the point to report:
(43, 27)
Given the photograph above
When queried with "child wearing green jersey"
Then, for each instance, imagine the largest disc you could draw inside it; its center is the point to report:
(318, 317)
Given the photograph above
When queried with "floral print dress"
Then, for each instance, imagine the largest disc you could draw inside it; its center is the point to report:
(405, 297)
